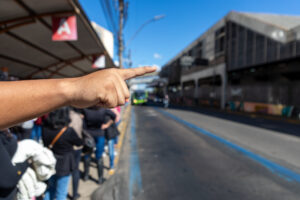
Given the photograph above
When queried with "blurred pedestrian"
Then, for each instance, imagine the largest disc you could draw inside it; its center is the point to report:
(95, 124)
(36, 133)
(10, 173)
(117, 111)
(60, 138)
(166, 101)
(27, 128)
(17, 132)
(111, 133)
(77, 124)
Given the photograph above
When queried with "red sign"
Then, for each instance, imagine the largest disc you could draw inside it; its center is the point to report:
(64, 28)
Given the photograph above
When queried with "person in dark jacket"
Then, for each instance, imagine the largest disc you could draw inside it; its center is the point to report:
(63, 152)
(95, 124)
(9, 174)
(111, 134)
(77, 124)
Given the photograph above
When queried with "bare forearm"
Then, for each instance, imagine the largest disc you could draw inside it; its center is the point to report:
(24, 100)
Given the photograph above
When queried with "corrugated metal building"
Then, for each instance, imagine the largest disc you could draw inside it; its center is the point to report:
(249, 58)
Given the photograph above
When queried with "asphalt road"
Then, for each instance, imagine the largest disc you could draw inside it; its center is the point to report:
(179, 162)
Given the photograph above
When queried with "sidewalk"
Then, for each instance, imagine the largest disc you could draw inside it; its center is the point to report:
(239, 113)
(86, 188)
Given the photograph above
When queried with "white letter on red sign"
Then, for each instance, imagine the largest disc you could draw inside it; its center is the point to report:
(63, 27)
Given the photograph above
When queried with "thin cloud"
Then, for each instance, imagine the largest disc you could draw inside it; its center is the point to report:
(116, 62)
(157, 56)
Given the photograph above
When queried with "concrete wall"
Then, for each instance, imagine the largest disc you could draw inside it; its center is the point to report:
(206, 73)
(270, 93)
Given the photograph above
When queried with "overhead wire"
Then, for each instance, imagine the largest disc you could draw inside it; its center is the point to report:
(111, 13)
(109, 16)
(105, 15)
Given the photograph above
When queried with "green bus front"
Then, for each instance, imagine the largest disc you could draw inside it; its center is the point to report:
(139, 98)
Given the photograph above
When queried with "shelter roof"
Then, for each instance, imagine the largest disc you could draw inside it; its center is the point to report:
(27, 49)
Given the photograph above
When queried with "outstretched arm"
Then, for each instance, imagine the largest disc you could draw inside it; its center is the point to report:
(23, 100)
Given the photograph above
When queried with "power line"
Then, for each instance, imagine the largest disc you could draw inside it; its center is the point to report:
(110, 14)
(106, 15)
(116, 15)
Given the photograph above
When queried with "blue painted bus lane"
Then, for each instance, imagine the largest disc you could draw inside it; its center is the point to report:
(275, 168)
(135, 178)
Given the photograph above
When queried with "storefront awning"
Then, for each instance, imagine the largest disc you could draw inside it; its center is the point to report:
(26, 46)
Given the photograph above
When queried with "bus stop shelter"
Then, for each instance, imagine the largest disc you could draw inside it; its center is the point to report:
(26, 46)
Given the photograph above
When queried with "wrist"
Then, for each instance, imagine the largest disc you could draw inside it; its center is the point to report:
(67, 89)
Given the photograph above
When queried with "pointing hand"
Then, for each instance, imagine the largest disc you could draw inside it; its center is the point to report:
(105, 88)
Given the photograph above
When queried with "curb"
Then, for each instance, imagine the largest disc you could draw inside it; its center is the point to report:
(122, 128)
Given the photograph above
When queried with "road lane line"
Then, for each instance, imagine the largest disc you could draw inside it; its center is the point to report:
(135, 178)
(275, 168)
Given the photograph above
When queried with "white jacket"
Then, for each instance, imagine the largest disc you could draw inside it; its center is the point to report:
(29, 186)
(44, 163)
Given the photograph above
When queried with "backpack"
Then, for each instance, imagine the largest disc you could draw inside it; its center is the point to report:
(88, 142)
(112, 132)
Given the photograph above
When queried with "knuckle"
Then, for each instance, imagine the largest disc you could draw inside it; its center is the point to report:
(127, 94)
(109, 84)
(122, 101)
(113, 102)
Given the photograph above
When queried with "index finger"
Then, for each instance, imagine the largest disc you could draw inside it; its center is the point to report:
(134, 72)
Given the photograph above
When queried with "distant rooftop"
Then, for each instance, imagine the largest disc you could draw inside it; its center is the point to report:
(283, 21)
(258, 22)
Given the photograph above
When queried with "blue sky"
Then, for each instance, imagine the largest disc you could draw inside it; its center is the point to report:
(185, 20)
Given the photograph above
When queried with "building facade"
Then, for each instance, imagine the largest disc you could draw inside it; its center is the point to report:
(246, 61)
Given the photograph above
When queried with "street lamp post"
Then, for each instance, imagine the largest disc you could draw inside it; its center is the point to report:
(155, 18)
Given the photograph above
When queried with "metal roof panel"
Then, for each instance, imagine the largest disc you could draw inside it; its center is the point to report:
(10, 10)
(41, 36)
(31, 45)
(14, 48)
(284, 21)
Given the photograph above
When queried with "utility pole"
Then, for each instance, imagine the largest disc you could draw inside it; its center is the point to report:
(120, 36)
